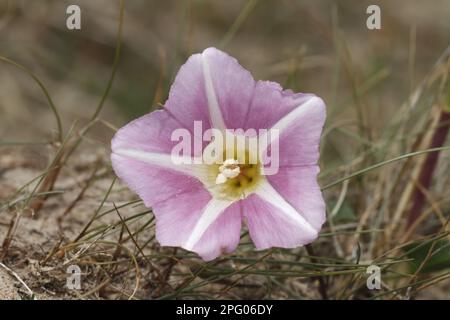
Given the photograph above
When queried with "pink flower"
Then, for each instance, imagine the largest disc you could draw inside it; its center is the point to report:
(199, 206)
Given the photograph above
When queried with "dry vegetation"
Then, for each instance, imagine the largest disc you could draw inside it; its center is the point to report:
(385, 156)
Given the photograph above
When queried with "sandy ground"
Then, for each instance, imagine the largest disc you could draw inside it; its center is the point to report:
(8, 287)
(34, 238)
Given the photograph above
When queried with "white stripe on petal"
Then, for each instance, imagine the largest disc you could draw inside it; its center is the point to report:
(269, 194)
(293, 116)
(211, 213)
(213, 105)
(166, 161)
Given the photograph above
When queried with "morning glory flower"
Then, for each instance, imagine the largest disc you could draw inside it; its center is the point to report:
(201, 205)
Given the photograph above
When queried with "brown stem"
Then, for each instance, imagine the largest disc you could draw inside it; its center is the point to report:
(46, 186)
(426, 173)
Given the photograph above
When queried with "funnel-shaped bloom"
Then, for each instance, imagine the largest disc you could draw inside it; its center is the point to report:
(200, 206)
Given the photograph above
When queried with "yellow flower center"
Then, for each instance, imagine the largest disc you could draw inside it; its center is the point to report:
(237, 176)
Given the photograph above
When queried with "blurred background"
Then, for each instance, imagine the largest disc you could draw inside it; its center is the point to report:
(289, 41)
(380, 87)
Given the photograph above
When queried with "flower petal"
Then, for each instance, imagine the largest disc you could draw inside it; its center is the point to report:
(177, 216)
(141, 157)
(299, 134)
(266, 191)
(215, 114)
(213, 209)
(187, 100)
(273, 222)
(213, 88)
(152, 183)
(151, 132)
(222, 236)
(166, 161)
(206, 226)
(233, 86)
(270, 103)
(298, 185)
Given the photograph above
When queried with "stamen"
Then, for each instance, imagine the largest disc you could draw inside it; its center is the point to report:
(229, 170)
